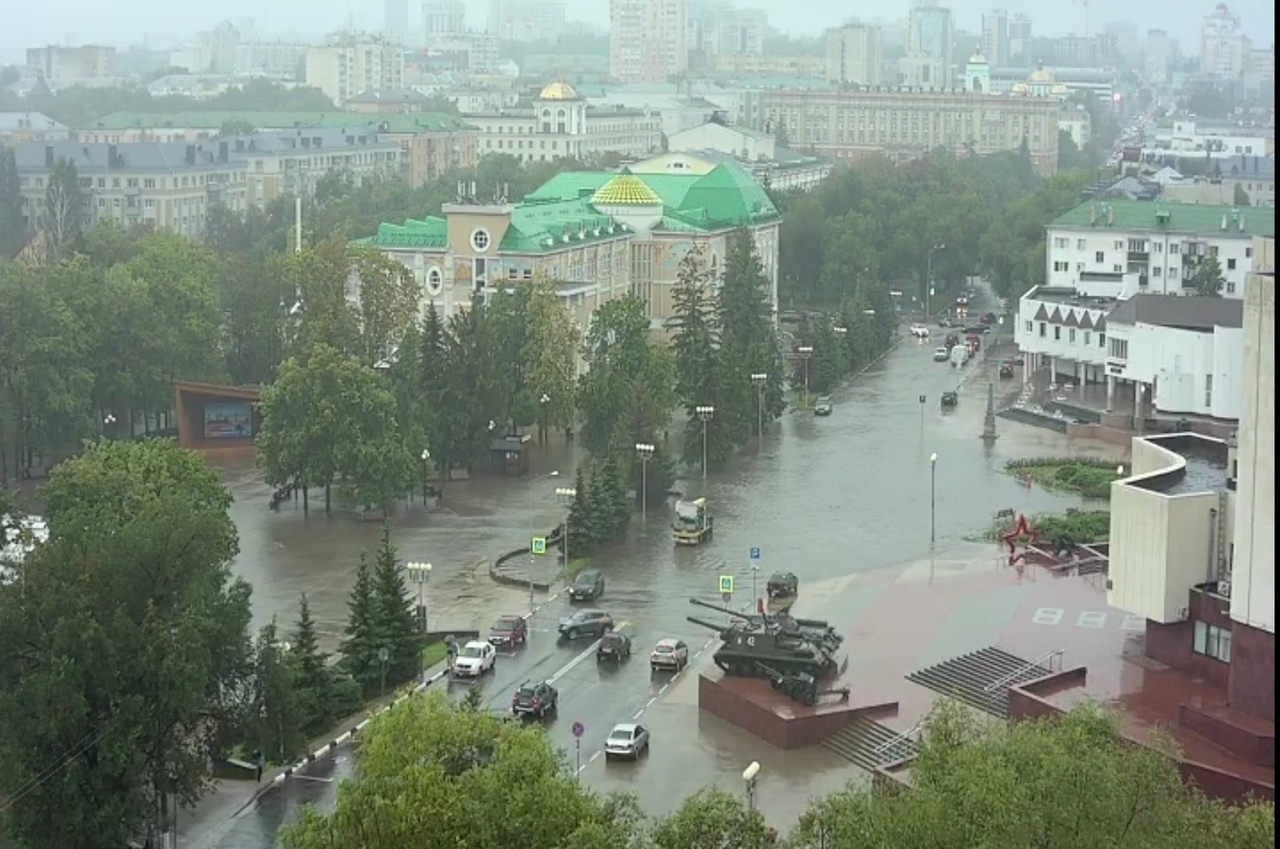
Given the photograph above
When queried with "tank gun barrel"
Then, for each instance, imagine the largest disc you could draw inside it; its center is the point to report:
(727, 611)
(705, 624)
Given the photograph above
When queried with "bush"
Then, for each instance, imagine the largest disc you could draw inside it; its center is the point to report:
(345, 696)
(1074, 528)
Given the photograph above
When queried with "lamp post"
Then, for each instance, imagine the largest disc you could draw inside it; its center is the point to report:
(805, 352)
(928, 283)
(749, 776)
(760, 379)
(706, 412)
(419, 574)
(566, 494)
(542, 406)
(923, 399)
(108, 423)
(426, 460)
(645, 452)
(933, 509)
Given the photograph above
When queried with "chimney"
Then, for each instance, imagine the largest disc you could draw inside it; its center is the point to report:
(48, 156)
(223, 149)
(191, 154)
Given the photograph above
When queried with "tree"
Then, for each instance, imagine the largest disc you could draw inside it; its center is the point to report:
(277, 707)
(433, 774)
(472, 406)
(550, 355)
(432, 385)
(618, 358)
(1239, 196)
(313, 681)
(699, 367)
(584, 522)
(749, 344)
(13, 224)
(1064, 782)
(389, 299)
(713, 819)
(1208, 280)
(360, 647)
(396, 624)
(130, 691)
(62, 218)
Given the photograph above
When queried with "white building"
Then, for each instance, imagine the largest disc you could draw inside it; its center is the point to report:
(443, 19)
(1217, 141)
(1119, 248)
(742, 142)
(995, 36)
(648, 40)
(1157, 56)
(271, 59)
(855, 55)
(526, 20)
(1223, 44)
(1075, 121)
(676, 112)
(928, 61)
(353, 64)
(723, 30)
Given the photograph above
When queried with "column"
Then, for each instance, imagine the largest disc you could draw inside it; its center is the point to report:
(1053, 369)
(1027, 360)
(1137, 406)
(1111, 391)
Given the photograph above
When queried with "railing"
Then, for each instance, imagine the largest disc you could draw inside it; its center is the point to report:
(888, 750)
(1044, 663)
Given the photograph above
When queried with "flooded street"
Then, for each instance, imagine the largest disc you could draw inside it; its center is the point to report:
(821, 497)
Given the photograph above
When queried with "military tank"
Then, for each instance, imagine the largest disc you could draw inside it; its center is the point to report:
(752, 648)
(813, 630)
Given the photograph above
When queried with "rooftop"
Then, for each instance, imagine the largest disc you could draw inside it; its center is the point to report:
(29, 121)
(1181, 312)
(401, 96)
(93, 158)
(1155, 216)
(401, 123)
(1203, 467)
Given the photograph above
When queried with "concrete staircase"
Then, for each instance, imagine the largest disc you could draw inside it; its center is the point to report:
(869, 744)
(967, 678)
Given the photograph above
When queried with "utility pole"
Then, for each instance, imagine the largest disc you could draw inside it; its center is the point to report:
(705, 412)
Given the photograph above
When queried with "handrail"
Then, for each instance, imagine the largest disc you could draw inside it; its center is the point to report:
(908, 736)
(1039, 663)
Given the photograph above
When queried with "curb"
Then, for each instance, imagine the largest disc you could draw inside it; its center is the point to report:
(499, 576)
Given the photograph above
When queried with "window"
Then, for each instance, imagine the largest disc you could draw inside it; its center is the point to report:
(1057, 334)
(1231, 264)
(1155, 272)
(1060, 242)
(1212, 641)
(1099, 257)
(1173, 272)
(1088, 337)
(1117, 269)
(1080, 244)
(480, 240)
(1119, 349)
(1208, 390)
(1102, 340)
(1028, 326)
(1156, 247)
(1071, 335)
(1231, 288)
(1173, 248)
(1059, 265)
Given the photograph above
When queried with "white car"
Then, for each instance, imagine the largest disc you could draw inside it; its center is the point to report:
(626, 741)
(920, 331)
(475, 659)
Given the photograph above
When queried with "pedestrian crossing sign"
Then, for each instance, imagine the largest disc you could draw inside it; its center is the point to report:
(539, 545)
(726, 584)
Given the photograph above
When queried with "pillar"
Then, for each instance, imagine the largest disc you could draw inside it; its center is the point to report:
(1137, 406)
(1053, 369)
(1111, 391)
(1027, 360)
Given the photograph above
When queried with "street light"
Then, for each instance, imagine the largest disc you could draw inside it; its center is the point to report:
(426, 458)
(933, 509)
(928, 283)
(749, 776)
(108, 421)
(645, 452)
(420, 573)
(705, 412)
(760, 379)
(805, 352)
(566, 494)
(542, 403)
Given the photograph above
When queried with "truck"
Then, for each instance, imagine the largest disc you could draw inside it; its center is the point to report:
(693, 524)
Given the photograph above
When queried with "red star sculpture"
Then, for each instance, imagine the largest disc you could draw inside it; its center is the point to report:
(1022, 532)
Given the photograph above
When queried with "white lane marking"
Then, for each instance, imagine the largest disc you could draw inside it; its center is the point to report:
(587, 652)
(649, 703)
(314, 778)
(638, 714)
(663, 689)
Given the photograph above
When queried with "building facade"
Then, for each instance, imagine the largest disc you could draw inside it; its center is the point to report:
(855, 55)
(1212, 140)
(62, 65)
(929, 60)
(1223, 44)
(526, 20)
(1157, 56)
(648, 40)
(353, 63)
(995, 36)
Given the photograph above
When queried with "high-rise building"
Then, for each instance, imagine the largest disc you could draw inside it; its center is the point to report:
(1019, 40)
(995, 37)
(353, 63)
(395, 20)
(443, 18)
(720, 29)
(648, 40)
(928, 60)
(63, 65)
(855, 55)
(1223, 44)
(1157, 58)
(526, 20)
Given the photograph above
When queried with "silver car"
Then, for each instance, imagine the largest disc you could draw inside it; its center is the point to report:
(669, 654)
(626, 741)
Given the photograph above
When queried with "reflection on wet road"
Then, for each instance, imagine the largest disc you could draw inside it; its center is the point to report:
(822, 497)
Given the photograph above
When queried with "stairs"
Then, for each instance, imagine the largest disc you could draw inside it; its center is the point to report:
(967, 677)
(869, 744)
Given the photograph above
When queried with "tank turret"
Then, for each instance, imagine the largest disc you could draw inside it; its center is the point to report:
(752, 646)
(815, 630)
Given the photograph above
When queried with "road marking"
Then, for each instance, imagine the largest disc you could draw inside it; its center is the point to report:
(649, 703)
(1091, 619)
(587, 652)
(1047, 616)
(638, 714)
(663, 688)
(1134, 623)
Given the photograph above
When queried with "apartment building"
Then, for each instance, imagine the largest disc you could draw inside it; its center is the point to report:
(291, 163)
(526, 20)
(354, 63)
(995, 36)
(64, 65)
(648, 40)
(1158, 54)
(855, 55)
(1223, 44)
(905, 124)
(929, 61)
(721, 29)
(21, 127)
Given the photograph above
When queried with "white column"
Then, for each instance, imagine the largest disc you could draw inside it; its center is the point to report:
(1111, 391)
(1137, 406)
(1053, 369)
(1027, 368)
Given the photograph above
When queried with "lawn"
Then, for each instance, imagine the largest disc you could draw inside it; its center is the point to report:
(1088, 476)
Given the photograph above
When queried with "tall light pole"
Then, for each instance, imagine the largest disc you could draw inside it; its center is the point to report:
(933, 509)
(426, 470)
(706, 412)
(566, 494)
(419, 574)
(760, 379)
(749, 776)
(542, 406)
(805, 352)
(928, 283)
(645, 452)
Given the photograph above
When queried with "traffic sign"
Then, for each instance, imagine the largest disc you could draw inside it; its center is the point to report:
(726, 597)
(539, 545)
(726, 585)
(755, 554)
(578, 729)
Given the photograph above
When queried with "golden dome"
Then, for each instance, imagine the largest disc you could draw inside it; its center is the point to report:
(1059, 90)
(1040, 75)
(558, 90)
(625, 190)
(1020, 88)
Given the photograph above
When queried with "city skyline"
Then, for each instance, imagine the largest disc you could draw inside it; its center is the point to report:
(152, 22)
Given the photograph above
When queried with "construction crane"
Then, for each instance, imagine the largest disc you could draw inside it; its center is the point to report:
(1088, 31)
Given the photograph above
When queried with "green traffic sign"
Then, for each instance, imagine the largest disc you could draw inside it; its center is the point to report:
(726, 583)
(539, 545)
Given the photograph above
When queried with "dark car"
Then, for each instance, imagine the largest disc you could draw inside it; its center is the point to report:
(586, 623)
(1006, 370)
(614, 646)
(949, 399)
(509, 632)
(589, 585)
(822, 407)
(977, 330)
(782, 585)
(535, 700)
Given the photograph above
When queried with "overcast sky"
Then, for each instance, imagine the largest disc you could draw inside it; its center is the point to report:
(166, 23)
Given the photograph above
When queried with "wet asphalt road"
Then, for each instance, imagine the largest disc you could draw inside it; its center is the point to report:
(822, 497)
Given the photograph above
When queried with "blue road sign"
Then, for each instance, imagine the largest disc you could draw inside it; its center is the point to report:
(578, 729)
(755, 553)
(726, 597)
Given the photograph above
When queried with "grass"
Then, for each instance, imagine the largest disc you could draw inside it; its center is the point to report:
(1062, 530)
(1088, 476)
(433, 653)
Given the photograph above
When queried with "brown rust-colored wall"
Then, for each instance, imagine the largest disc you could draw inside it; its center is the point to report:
(1172, 644)
(1254, 745)
(1252, 684)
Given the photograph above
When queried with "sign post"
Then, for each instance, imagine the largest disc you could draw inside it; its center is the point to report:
(755, 555)
(726, 588)
(537, 548)
(578, 730)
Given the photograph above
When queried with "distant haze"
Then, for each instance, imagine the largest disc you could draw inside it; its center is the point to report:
(165, 24)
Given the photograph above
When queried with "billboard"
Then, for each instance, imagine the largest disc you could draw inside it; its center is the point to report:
(228, 420)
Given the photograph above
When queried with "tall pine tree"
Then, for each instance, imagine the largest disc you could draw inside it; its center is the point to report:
(432, 382)
(749, 341)
(585, 528)
(360, 646)
(313, 680)
(395, 623)
(697, 360)
(277, 715)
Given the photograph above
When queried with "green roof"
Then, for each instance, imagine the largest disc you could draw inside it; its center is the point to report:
(1143, 216)
(534, 228)
(403, 122)
(430, 232)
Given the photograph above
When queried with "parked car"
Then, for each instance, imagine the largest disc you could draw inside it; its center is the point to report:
(822, 407)
(588, 586)
(535, 700)
(626, 741)
(782, 585)
(669, 654)
(615, 646)
(509, 632)
(920, 331)
(476, 658)
(940, 355)
(949, 399)
(585, 623)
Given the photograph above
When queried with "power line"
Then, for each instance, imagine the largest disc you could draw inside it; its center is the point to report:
(32, 784)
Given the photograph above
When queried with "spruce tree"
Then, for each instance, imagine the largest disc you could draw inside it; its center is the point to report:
(312, 678)
(697, 361)
(360, 647)
(584, 526)
(395, 622)
(277, 717)
(612, 495)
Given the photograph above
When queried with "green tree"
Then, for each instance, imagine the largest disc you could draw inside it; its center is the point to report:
(326, 315)
(389, 299)
(610, 499)
(433, 386)
(585, 523)
(395, 623)
(313, 680)
(472, 405)
(713, 819)
(749, 344)
(801, 247)
(360, 646)
(550, 355)
(699, 367)
(13, 224)
(1208, 280)
(830, 356)
(618, 357)
(1239, 196)
(277, 710)
(62, 218)
(145, 666)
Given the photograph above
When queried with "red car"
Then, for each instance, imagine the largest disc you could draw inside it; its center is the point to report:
(509, 632)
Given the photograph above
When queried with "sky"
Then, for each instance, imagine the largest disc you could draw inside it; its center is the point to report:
(165, 23)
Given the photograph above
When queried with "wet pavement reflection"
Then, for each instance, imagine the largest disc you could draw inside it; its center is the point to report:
(822, 497)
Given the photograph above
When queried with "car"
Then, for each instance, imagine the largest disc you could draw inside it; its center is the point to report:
(1006, 370)
(782, 585)
(626, 741)
(940, 355)
(949, 399)
(615, 646)
(977, 330)
(920, 331)
(476, 658)
(586, 623)
(822, 407)
(588, 586)
(535, 700)
(509, 632)
(669, 653)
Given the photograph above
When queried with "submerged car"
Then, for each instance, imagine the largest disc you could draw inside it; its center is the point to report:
(588, 586)
(782, 585)
(822, 407)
